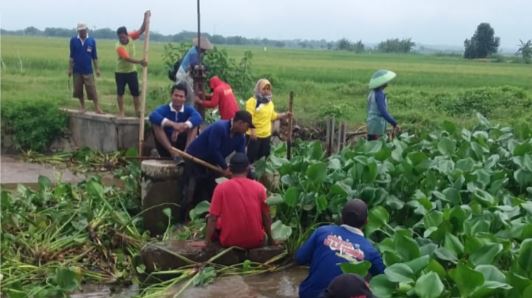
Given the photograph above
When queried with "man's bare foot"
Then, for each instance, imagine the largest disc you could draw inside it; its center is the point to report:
(98, 111)
(81, 110)
(121, 114)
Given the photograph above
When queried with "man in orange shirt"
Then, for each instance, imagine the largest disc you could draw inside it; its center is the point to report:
(126, 71)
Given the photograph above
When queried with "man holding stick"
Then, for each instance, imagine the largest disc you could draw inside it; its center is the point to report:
(213, 145)
(126, 71)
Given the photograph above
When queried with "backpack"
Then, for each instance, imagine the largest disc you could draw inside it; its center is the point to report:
(174, 69)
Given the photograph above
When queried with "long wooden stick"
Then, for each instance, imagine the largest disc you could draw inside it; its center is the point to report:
(144, 84)
(290, 128)
(201, 162)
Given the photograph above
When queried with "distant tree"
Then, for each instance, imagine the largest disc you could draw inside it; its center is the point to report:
(482, 44)
(343, 45)
(59, 32)
(525, 50)
(32, 31)
(396, 46)
(358, 47)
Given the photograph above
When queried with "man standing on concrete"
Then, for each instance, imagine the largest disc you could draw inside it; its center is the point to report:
(213, 145)
(173, 123)
(126, 71)
(239, 215)
(83, 57)
(330, 245)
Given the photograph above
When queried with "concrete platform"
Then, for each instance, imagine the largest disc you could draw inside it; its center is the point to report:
(104, 132)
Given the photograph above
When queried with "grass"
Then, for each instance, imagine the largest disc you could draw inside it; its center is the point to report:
(35, 69)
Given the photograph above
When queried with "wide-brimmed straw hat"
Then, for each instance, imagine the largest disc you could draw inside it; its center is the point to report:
(81, 26)
(381, 77)
(205, 44)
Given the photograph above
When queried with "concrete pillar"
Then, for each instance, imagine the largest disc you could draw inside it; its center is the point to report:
(160, 188)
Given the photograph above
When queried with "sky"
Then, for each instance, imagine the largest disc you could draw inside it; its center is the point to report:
(428, 22)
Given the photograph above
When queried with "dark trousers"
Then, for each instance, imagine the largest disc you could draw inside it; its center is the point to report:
(258, 148)
(197, 184)
(180, 144)
(373, 137)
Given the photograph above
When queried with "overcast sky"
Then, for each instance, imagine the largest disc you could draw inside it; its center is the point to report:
(443, 22)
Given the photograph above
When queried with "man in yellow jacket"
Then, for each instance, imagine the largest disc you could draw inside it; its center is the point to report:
(262, 110)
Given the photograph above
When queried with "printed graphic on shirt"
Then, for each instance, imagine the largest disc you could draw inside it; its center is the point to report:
(344, 248)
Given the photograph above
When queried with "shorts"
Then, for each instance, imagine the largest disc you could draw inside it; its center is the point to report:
(129, 78)
(90, 86)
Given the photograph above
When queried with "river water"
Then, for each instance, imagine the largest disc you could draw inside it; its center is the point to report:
(282, 284)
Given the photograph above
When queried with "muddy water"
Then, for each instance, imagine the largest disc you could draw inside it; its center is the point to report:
(278, 284)
(281, 284)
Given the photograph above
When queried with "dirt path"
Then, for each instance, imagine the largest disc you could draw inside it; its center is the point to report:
(14, 170)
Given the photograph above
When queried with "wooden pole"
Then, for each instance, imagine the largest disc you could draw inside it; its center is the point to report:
(201, 162)
(144, 83)
(290, 126)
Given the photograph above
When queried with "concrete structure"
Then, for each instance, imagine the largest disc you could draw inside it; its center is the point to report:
(104, 132)
(174, 254)
(159, 190)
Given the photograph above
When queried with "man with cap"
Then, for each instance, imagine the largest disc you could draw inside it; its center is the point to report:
(239, 215)
(213, 145)
(222, 97)
(190, 61)
(331, 244)
(348, 286)
(126, 71)
(83, 57)
(378, 105)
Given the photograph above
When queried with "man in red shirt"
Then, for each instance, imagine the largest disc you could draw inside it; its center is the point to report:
(222, 97)
(238, 211)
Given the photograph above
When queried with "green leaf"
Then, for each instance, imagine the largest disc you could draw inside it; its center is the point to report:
(491, 272)
(419, 263)
(406, 247)
(291, 196)
(44, 182)
(446, 146)
(378, 217)
(372, 146)
(201, 208)
(429, 285)
(317, 172)
(525, 256)
(466, 279)
(280, 231)
(67, 279)
(334, 164)
(274, 199)
(453, 244)
(465, 164)
(443, 253)
(360, 268)
(486, 254)
(437, 267)
(382, 287)
(399, 272)
(321, 203)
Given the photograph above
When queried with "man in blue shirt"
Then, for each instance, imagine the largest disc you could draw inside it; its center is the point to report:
(189, 61)
(82, 57)
(213, 145)
(330, 245)
(173, 123)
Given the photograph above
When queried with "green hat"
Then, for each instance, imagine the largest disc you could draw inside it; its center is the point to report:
(381, 77)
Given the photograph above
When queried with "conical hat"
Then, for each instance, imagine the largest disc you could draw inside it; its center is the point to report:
(205, 44)
(381, 77)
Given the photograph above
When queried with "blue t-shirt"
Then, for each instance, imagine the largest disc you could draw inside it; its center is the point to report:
(325, 249)
(187, 113)
(83, 54)
(191, 58)
(215, 143)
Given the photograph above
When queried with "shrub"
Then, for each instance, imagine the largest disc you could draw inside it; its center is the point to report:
(33, 125)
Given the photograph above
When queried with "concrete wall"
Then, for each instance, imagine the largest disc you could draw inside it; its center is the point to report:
(104, 132)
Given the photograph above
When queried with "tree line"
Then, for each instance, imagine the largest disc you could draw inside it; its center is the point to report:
(388, 46)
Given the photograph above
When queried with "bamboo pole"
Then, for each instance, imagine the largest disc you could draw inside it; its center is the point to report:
(144, 83)
(201, 162)
(290, 126)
